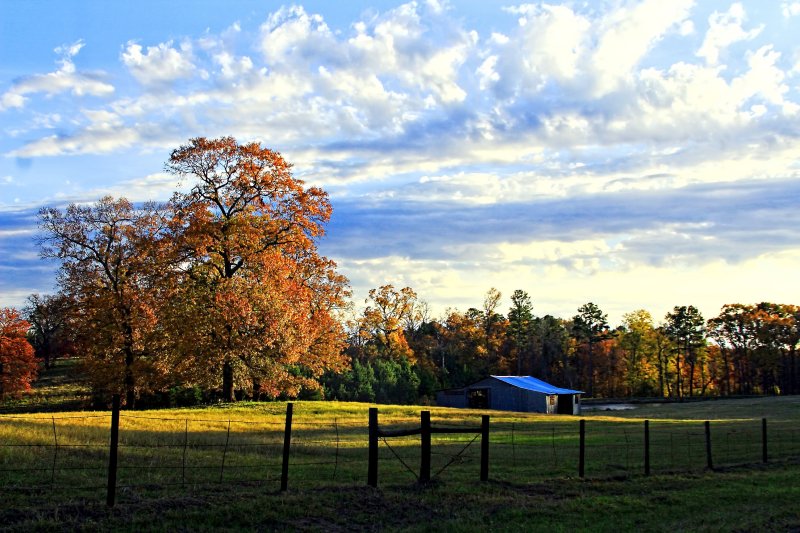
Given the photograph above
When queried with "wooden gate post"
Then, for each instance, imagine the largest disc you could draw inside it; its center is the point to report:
(372, 466)
(287, 445)
(485, 448)
(646, 447)
(111, 489)
(582, 448)
(425, 447)
(709, 462)
(764, 440)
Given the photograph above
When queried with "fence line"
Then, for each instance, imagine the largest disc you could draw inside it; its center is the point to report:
(221, 451)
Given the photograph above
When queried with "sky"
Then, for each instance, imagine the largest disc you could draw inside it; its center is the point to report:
(635, 154)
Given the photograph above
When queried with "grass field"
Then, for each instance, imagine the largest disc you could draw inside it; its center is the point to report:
(218, 468)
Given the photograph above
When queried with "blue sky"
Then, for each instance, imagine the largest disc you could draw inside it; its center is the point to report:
(638, 154)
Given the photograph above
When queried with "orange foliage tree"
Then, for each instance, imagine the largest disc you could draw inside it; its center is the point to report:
(17, 361)
(112, 260)
(257, 303)
(381, 325)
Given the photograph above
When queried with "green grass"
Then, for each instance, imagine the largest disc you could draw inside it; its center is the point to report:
(56, 389)
(218, 468)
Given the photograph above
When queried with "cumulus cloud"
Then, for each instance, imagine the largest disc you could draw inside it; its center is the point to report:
(790, 9)
(725, 29)
(405, 48)
(158, 64)
(581, 53)
(628, 34)
(65, 79)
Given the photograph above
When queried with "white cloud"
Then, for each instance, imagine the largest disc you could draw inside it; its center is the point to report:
(724, 30)
(102, 138)
(581, 53)
(627, 35)
(397, 48)
(764, 78)
(232, 67)
(159, 64)
(790, 9)
(65, 79)
(550, 43)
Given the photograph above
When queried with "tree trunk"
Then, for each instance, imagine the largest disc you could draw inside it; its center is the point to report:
(727, 381)
(47, 349)
(130, 380)
(591, 371)
(256, 388)
(227, 382)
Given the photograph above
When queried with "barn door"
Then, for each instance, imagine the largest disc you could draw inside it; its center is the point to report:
(565, 404)
(478, 398)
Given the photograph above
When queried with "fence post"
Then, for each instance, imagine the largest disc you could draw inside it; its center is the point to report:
(287, 444)
(646, 447)
(425, 447)
(764, 440)
(485, 448)
(582, 448)
(111, 493)
(709, 462)
(372, 466)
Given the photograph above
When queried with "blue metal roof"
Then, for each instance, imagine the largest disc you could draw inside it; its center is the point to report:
(537, 385)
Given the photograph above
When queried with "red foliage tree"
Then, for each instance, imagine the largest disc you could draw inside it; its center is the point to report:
(17, 360)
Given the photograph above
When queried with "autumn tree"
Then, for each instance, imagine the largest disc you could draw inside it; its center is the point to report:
(110, 270)
(589, 327)
(382, 323)
(686, 329)
(494, 326)
(463, 350)
(638, 340)
(259, 297)
(18, 365)
(776, 336)
(758, 344)
(50, 333)
(789, 332)
(550, 352)
(520, 319)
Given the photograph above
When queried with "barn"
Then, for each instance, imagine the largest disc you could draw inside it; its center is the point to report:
(513, 393)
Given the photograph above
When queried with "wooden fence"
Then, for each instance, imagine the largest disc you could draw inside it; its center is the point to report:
(519, 453)
(425, 430)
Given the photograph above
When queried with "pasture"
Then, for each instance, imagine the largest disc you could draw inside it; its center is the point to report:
(219, 467)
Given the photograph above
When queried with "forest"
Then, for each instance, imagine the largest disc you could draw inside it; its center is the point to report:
(221, 294)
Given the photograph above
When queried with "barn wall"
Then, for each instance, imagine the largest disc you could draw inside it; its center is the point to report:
(535, 402)
(452, 398)
(502, 396)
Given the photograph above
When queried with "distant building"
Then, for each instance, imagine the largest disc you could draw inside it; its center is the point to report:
(513, 393)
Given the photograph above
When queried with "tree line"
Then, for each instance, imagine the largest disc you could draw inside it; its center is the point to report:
(746, 349)
(221, 293)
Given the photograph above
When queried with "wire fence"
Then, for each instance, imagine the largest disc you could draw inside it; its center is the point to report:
(72, 454)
